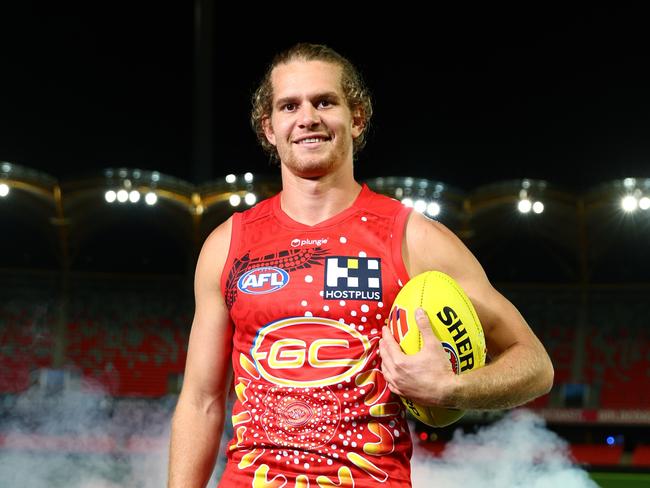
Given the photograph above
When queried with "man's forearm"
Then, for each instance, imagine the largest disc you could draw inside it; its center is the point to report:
(195, 437)
(516, 377)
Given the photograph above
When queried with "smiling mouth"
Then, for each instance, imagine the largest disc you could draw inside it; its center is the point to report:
(312, 140)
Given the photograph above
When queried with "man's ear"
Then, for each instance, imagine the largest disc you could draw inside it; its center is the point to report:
(268, 130)
(358, 122)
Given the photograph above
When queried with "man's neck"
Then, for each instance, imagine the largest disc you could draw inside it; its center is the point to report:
(311, 201)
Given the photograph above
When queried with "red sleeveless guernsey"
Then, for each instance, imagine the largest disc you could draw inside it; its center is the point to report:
(308, 303)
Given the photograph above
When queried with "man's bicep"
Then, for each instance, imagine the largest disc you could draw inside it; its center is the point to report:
(208, 355)
(435, 247)
(208, 352)
(502, 323)
(430, 246)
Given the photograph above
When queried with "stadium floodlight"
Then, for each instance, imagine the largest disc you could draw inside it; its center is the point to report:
(524, 205)
(644, 203)
(234, 199)
(433, 209)
(122, 196)
(629, 203)
(151, 198)
(110, 196)
(408, 202)
(231, 178)
(4, 189)
(629, 183)
(248, 177)
(538, 207)
(134, 196)
(250, 199)
(420, 206)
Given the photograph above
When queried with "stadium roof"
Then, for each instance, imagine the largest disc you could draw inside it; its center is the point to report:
(124, 219)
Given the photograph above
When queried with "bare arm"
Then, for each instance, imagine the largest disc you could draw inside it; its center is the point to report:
(198, 420)
(519, 368)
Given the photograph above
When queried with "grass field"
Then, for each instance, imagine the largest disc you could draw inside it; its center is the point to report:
(621, 480)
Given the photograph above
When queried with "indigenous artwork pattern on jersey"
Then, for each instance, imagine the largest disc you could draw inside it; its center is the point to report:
(308, 304)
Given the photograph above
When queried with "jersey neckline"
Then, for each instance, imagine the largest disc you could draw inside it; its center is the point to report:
(280, 214)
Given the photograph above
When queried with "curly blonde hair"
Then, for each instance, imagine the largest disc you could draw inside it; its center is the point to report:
(356, 93)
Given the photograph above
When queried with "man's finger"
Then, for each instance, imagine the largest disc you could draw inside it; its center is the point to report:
(428, 337)
(387, 361)
(390, 344)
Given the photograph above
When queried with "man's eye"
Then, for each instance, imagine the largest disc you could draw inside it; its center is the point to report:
(289, 107)
(325, 103)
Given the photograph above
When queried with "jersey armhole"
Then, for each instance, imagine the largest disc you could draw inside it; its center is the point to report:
(396, 243)
(232, 250)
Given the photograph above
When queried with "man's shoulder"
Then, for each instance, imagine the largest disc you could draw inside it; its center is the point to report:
(423, 232)
(260, 210)
(382, 204)
(429, 244)
(419, 226)
(217, 244)
(219, 237)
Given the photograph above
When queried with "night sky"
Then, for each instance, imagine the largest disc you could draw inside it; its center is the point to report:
(461, 95)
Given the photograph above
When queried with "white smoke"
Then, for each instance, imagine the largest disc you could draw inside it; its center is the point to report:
(84, 439)
(81, 437)
(124, 443)
(517, 451)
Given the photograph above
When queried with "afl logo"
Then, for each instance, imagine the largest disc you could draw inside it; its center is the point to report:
(263, 280)
(453, 357)
(309, 351)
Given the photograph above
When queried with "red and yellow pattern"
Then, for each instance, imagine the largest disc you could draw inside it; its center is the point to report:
(313, 409)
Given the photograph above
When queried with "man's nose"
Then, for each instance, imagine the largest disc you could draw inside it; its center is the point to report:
(308, 115)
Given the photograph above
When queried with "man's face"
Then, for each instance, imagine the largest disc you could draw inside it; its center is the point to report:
(311, 125)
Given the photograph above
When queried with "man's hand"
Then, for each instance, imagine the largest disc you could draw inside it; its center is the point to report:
(426, 377)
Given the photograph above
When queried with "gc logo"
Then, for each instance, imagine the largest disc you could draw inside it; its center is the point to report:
(309, 351)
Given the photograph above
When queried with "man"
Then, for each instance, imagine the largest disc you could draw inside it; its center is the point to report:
(297, 291)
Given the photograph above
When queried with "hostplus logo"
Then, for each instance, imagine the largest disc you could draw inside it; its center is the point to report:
(308, 242)
(352, 278)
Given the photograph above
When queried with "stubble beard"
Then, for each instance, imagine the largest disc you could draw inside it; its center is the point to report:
(316, 165)
(310, 166)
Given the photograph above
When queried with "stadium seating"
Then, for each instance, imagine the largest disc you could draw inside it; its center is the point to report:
(618, 349)
(125, 338)
(596, 454)
(25, 337)
(641, 456)
(552, 314)
(131, 338)
(127, 342)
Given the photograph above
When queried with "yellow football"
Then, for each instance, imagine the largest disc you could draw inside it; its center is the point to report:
(454, 322)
